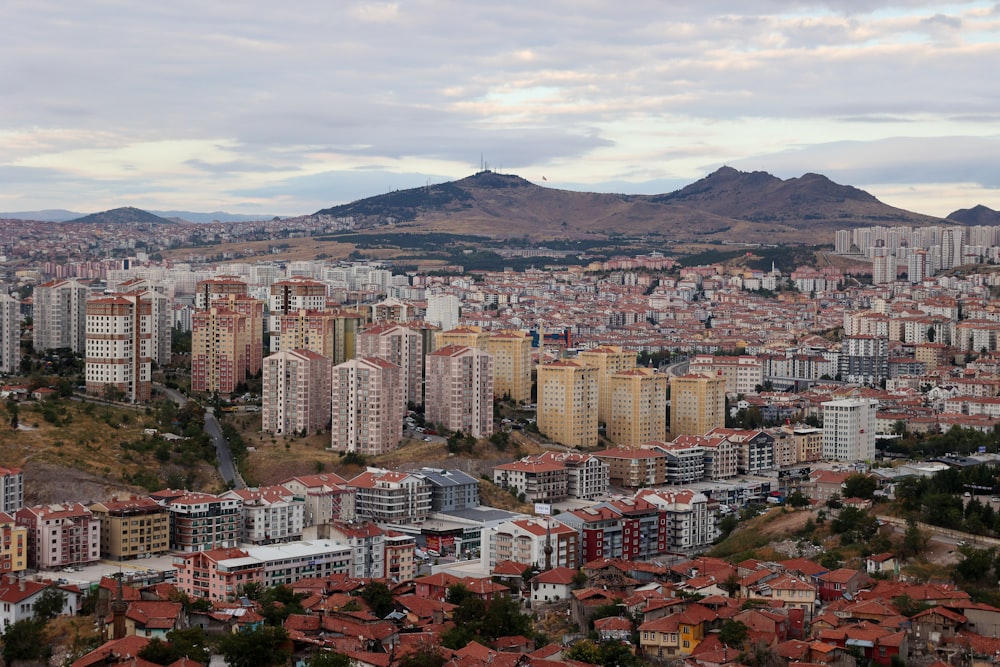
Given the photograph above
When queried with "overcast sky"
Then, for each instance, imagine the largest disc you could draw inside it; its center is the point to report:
(288, 107)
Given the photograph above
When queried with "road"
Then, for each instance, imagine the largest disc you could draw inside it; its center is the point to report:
(227, 468)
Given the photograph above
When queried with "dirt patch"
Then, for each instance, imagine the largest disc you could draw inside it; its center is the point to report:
(47, 483)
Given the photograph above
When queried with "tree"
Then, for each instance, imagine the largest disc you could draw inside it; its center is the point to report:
(797, 500)
(260, 647)
(731, 585)
(858, 485)
(329, 659)
(734, 633)
(854, 525)
(457, 593)
(49, 604)
(379, 598)
(584, 651)
(25, 640)
(425, 656)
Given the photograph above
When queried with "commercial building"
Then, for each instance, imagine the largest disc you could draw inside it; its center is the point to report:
(567, 403)
(697, 404)
(849, 429)
(367, 408)
(295, 392)
(132, 527)
(638, 407)
(460, 390)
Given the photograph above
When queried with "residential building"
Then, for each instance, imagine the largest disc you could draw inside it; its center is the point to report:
(552, 585)
(451, 490)
(849, 429)
(347, 324)
(466, 336)
(220, 338)
(697, 404)
(677, 634)
(523, 541)
(212, 291)
(638, 407)
(18, 599)
(367, 409)
(328, 498)
(132, 527)
(312, 330)
(539, 481)
(460, 390)
(120, 346)
(390, 497)
(691, 517)
(722, 457)
(217, 574)
(511, 352)
(685, 459)
(292, 295)
(201, 521)
(296, 392)
(60, 535)
(10, 334)
(642, 529)
(11, 489)
(161, 315)
(443, 311)
(400, 556)
(270, 514)
(13, 545)
(586, 475)
(754, 449)
(59, 316)
(634, 468)
(608, 359)
(567, 403)
(403, 346)
(744, 374)
(864, 359)
(367, 544)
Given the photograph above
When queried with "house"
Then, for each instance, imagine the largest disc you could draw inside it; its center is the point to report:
(18, 598)
(931, 626)
(677, 634)
(839, 583)
(552, 585)
(153, 618)
(884, 563)
(613, 628)
(796, 593)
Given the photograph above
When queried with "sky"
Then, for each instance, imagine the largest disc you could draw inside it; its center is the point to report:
(289, 107)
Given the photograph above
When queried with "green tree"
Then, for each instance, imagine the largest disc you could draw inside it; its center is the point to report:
(733, 633)
(49, 604)
(425, 656)
(24, 640)
(914, 540)
(797, 500)
(584, 651)
(329, 659)
(379, 598)
(858, 485)
(260, 647)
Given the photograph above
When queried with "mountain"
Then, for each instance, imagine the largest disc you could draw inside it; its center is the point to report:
(977, 215)
(124, 215)
(214, 216)
(725, 205)
(45, 215)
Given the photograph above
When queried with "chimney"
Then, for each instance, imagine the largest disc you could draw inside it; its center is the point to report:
(20, 584)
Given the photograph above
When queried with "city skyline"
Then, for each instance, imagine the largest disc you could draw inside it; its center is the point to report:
(265, 110)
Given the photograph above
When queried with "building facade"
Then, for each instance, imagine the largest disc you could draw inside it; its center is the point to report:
(60, 535)
(120, 346)
(367, 407)
(59, 315)
(296, 392)
(638, 407)
(402, 346)
(460, 390)
(10, 334)
(608, 359)
(568, 402)
(849, 429)
(132, 527)
(697, 404)
(511, 351)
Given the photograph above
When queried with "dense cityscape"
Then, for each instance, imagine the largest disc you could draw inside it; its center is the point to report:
(624, 460)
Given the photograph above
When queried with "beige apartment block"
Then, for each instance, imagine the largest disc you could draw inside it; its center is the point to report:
(460, 390)
(567, 402)
(132, 527)
(367, 408)
(697, 404)
(219, 346)
(511, 352)
(638, 406)
(608, 359)
(312, 330)
(402, 346)
(467, 336)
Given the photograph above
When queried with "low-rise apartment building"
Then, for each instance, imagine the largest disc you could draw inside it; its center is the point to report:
(635, 468)
(539, 481)
(60, 535)
(327, 497)
(386, 496)
(523, 541)
(270, 514)
(201, 521)
(132, 527)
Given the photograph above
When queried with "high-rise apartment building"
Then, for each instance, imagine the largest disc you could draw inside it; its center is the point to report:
(210, 290)
(59, 315)
(296, 392)
(511, 352)
(442, 311)
(466, 336)
(402, 346)
(10, 334)
(697, 404)
(638, 406)
(567, 402)
(348, 323)
(161, 319)
(119, 346)
(608, 359)
(219, 345)
(460, 390)
(305, 330)
(367, 408)
(11, 489)
(292, 295)
(849, 429)
(864, 359)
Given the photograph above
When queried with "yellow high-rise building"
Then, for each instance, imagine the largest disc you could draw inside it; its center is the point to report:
(511, 351)
(13, 545)
(567, 402)
(609, 359)
(697, 404)
(466, 336)
(638, 412)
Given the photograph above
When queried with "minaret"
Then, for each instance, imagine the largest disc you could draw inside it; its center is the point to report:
(118, 609)
(548, 544)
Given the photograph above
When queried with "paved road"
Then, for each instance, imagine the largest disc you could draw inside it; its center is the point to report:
(226, 466)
